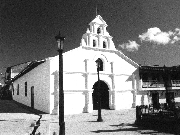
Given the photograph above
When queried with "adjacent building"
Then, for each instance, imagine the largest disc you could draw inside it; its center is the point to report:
(158, 85)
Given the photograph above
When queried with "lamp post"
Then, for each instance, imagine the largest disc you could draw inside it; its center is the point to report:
(99, 93)
(60, 41)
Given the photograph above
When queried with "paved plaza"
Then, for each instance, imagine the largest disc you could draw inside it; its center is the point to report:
(19, 120)
(114, 123)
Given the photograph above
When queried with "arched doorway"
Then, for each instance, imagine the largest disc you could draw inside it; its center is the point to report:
(104, 90)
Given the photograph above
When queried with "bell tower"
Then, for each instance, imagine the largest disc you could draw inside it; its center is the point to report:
(97, 36)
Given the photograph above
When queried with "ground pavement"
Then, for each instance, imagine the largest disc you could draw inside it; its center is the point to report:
(114, 123)
(16, 119)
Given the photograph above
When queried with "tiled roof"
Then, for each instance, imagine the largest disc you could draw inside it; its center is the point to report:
(158, 68)
(31, 66)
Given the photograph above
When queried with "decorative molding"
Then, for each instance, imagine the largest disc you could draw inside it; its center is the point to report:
(91, 73)
(112, 51)
(120, 91)
(80, 91)
(98, 49)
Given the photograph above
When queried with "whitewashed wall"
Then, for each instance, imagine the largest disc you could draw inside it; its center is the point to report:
(39, 78)
(122, 72)
(124, 100)
(73, 86)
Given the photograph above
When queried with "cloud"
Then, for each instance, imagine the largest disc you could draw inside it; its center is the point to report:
(130, 46)
(176, 36)
(156, 35)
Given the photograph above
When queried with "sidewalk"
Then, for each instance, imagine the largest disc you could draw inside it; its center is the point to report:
(18, 119)
(15, 120)
(16, 124)
(49, 124)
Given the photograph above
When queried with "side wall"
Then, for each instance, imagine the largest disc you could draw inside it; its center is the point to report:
(39, 78)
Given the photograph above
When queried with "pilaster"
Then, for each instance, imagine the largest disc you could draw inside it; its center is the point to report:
(99, 41)
(108, 43)
(86, 61)
(134, 92)
(88, 101)
(89, 40)
(114, 99)
(88, 93)
(134, 99)
(112, 75)
(113, 92)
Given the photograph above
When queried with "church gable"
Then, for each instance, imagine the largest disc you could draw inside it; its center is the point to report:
(98, 20)
(96, 40)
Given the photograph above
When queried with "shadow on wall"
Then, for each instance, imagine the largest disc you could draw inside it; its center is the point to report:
(56, 92)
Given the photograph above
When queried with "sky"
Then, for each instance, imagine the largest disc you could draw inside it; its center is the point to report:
(147, 31)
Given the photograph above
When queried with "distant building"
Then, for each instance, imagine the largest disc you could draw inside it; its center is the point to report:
(14, 70)
(10, 73)
(37, 85)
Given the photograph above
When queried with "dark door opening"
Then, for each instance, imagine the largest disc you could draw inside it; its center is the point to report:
(170, 98)
(32, 97)
(104, 91)
(155, 100)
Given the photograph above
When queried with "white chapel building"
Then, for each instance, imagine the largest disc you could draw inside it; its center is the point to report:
(37, 85)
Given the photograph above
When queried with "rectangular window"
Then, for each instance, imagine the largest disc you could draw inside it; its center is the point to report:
(26, 89)
(18, 89)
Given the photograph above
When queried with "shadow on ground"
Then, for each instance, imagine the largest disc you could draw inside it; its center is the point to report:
(145, 128)
(11, 106)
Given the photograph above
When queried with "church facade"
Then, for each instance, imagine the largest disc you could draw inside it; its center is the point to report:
(37, 85)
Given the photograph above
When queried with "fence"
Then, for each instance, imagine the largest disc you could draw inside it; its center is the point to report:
(152, 84)
(145, 112)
